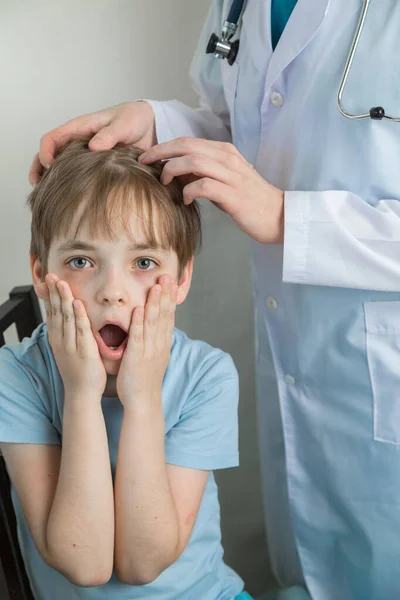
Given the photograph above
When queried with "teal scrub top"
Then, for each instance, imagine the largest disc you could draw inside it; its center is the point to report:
(280, 13)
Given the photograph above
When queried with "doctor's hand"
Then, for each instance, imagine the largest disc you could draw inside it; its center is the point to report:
(131, 123)
(218, 172)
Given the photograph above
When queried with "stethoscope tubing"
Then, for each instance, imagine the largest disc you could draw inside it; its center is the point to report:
(347, 69)
(223, 48)
(235, 11)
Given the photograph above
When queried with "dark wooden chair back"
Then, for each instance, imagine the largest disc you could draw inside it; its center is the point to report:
(23, 310)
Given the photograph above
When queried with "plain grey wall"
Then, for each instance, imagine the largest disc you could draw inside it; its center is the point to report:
(61, 59)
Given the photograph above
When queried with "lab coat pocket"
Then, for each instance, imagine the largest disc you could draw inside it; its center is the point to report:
(230, 76)
(382, 321)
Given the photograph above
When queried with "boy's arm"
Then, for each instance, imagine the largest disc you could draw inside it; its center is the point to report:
(150, 528)
(156, 504)
(66, 495)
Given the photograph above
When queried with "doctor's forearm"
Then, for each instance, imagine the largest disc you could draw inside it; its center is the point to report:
(336, 238)
(146, 522)
(80, 529)
(174, 119)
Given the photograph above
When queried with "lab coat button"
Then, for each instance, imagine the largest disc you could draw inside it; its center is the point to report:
(289, 379)
(272, 303)
(276, 99)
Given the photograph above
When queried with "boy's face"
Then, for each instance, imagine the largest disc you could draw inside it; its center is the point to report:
(111, 278)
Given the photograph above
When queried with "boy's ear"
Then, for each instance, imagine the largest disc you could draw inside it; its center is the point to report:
(185, 281)
(37, 273)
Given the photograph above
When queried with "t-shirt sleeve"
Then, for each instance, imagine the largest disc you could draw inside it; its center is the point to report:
(206, 434)
(24, 414)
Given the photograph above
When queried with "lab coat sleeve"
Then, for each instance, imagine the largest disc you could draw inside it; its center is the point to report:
(335, 238)
(211, 119)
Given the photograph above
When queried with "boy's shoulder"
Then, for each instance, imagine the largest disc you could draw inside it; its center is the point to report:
(198, 371)
(28, 369)
(200, 402)
(32, 353)
(29, 391)
(197, 357)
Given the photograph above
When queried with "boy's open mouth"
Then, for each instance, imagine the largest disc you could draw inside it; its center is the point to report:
(111, 340)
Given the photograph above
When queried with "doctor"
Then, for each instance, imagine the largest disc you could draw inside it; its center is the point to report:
(318, 195)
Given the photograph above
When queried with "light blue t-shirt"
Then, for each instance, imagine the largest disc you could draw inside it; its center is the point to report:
(200, 401)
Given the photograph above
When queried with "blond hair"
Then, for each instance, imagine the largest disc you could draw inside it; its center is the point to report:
(107, 186)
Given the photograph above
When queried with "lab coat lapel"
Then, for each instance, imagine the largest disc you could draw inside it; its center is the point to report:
(305, 20)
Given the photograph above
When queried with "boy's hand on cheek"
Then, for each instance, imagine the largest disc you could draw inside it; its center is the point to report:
(72, 341)
(147, 354)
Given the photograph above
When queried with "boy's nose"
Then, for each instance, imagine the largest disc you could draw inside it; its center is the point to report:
(112, 295)
(114, 299)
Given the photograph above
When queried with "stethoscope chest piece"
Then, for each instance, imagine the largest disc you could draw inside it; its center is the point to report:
(222, 47)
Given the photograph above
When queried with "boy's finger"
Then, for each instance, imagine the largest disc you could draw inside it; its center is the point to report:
(83, 330)
(165, 314)
(136, 332)
(42, 292)
(172, 309)
(152, 309)
(69, 327)
(56, 313)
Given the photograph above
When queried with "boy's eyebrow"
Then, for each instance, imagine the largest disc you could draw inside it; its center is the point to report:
(80, 245)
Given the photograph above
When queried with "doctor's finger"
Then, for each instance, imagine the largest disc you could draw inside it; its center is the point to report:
(84, 125)
(200, 165)
(187, 145)
(215, 191)
(36, 170)
(110, 135)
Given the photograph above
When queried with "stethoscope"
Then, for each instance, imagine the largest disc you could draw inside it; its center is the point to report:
(222, 47)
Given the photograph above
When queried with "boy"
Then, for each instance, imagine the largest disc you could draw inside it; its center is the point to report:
(111, 421)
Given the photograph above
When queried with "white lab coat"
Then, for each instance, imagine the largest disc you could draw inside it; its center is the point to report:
(327, 302)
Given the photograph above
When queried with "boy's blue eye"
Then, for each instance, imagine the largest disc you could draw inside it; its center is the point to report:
(78, 263)
(145, 264)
